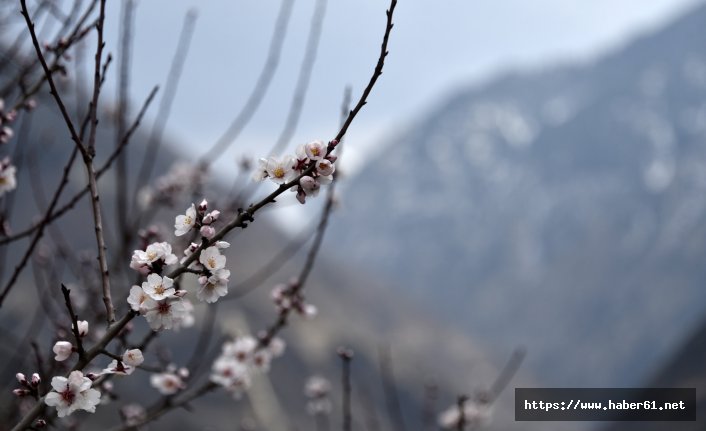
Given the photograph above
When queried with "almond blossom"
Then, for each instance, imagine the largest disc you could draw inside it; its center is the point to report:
(212, 259)
(133, 357)
(137, 298)
(158, 287)
(185, 222)
(119, 367)
(281, 170)
(213, 287)
(164, 314)
(71, 394)
(154, 257)
(167, 383)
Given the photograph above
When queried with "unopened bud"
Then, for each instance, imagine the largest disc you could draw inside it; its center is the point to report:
(203, 206)
(208, 232)
(20, 392)
(21, 378)
(36, 380)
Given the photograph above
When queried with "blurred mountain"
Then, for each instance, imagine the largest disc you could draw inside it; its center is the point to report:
(563, 209)
(685, 369)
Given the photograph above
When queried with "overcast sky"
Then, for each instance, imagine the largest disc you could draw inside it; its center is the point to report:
(433, 50)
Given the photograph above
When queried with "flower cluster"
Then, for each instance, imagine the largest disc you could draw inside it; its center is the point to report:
(199, 219)
(130, 360)
(72, 393)
(29, 387)
(313, 159)
(162, 305)
(153, 259)
(317, 390)
(239, 359)
(288, 297)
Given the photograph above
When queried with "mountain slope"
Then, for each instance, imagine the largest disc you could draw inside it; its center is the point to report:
(561, 209)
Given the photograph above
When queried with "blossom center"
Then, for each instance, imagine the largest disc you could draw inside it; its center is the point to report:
(211, 262)
(159, 289)
(151, 255)
(163, 308)
(187, 220)
(279, 172)
(68, 396)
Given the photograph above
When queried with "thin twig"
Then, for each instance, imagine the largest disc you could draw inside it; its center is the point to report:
(507, 373)
(346, 356)
(74, 321)
(106, 166)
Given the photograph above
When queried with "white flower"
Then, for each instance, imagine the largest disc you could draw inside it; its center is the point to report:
(315, 150)
(165, 314)
(72, 394)
(281, 170)
(325, 167)
(119, 367)
(137, 298)
(133, 357)
(184, 223)
(7, 176)
(214, 287)
(241, 349)
(63, 350)
(260, 172)
(212, 259)
(82, 328)
(310, 185)
(158, 287)
(166, 383)
(155, 252)
(230, 374)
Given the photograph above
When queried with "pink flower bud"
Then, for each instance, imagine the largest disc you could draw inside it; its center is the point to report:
(82, 328)
(203, 206)
(21, 378)
(203, 280)
(36, 380)
(63, 350)
(20, 392)
(208, 232)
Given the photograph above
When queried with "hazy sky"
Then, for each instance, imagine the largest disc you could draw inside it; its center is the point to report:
(436, 46)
